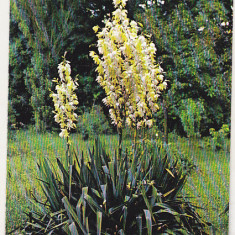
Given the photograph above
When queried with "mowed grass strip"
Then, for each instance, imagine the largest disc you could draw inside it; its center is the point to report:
(207, 186)
(25, 148)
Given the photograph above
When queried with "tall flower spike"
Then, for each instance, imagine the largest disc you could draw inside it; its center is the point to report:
(65, 99)
(127, 70)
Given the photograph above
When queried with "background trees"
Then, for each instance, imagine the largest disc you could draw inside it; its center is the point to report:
(194, 45)
(48, 29)
(193, 40)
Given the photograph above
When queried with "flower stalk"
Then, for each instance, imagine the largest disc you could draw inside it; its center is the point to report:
(65, 102)
(127, 70)
(65, 99)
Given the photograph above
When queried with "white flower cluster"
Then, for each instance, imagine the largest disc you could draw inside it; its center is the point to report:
(119, 3)
(128, 71)
(65, 99)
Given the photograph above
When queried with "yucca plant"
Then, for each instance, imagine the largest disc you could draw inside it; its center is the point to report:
(138, 194)
(136, 191)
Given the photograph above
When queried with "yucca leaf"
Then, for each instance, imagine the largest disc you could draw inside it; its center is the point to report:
(139, 224)
(71, 212)
(64, 172)
(83, 173)
(50, 188)
(167, 211)
(166, 194)
(120, 178)
(163, 205)
(51, 232)
(148, 221)
(65, 228)
(50, 197)
(124, 188)
(156, 196)
(96, 192)
(121, 232)
(113, 177)
(124, 216)
(99, 222)
(180, 185)
(106, 170)
(35, 225)
(104, 192)
(170, 173)
(73, 229)
(135, 176)
(84, 203)
(143, 192)
(87, 225)
(79, 207)
(93, 204)
(39, 205)
(60, 225)
(57, 213)
(114, 209)
(70, 180)
(134, 162)
(48, 224)
(170, 232)
(97, 179)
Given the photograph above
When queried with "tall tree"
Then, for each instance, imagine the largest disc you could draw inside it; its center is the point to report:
(19, 110)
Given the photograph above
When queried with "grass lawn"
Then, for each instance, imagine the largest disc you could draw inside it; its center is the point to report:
(207, 185)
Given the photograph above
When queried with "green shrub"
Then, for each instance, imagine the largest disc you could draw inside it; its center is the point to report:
(93, 122)
(218, 137)
(101, 194)
(191, 113)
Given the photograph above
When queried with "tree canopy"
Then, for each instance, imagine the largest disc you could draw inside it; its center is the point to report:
(193, 39)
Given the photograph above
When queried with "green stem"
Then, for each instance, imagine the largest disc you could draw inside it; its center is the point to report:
(67, 152)
(135, 136)
(69, 164)
(165, 121)
(144, 135)
(119, 142)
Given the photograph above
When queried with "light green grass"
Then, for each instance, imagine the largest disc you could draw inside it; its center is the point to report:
(208, 185)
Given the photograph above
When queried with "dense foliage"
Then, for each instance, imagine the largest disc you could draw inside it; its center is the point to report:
(48, 29)
(193, 41)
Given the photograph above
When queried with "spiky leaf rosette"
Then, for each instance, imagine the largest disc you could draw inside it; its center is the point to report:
(140, 193)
